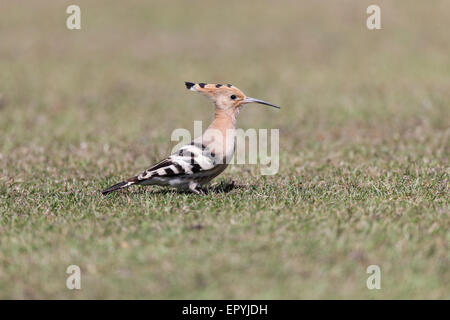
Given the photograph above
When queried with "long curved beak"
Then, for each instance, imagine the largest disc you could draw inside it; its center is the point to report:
(250, 100)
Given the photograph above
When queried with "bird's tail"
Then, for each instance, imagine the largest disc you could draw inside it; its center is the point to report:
(120, 185)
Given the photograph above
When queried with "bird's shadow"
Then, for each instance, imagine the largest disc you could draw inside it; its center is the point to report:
(222, 187)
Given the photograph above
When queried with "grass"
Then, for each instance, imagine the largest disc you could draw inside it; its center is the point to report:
(364, 150)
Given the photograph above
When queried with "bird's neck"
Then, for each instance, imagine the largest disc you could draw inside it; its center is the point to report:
(221, 132)
(223, 120)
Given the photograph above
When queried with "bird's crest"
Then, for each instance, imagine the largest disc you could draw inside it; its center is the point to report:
(214, 89)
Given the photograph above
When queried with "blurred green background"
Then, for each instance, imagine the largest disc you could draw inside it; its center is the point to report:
(364, 149)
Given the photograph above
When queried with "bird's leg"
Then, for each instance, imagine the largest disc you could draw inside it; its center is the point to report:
(203, 190)
(195, 188)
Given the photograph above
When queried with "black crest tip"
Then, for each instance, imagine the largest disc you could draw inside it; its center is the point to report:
(189, 85)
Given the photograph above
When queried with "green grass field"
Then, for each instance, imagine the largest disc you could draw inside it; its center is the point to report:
(364, 150)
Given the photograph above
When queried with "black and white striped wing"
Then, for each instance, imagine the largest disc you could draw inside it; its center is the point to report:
(189, 160)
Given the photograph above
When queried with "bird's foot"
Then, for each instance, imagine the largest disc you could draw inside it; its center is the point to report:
(203, 191)
(197, 189)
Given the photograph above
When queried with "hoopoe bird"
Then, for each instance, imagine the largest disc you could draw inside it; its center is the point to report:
(196, 164)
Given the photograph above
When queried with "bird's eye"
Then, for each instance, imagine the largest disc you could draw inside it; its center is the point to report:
(232, 97)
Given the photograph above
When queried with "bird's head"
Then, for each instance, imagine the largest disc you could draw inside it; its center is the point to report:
(225, 97)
